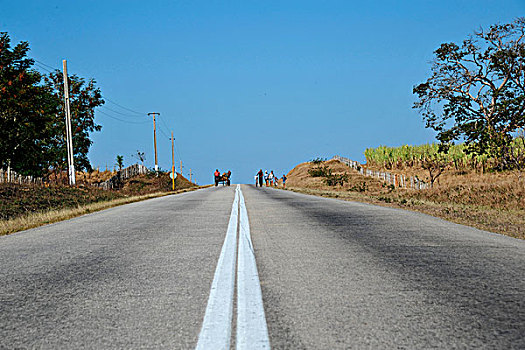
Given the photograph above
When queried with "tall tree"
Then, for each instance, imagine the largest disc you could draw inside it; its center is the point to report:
(26, 110)
(476, 92)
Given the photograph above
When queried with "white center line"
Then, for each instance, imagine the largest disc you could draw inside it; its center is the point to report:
(252, 331)
(216, 327)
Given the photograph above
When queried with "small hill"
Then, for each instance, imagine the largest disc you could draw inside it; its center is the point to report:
(149, 183)
(301, 177)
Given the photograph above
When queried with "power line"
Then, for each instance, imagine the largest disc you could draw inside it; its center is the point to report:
(45, 65)
(177, 149)
(123, 114)
(176, 145)
(52, 69)
(164, 125)
(122, 120)
(163, 133)
(163, 122)
(126, 108)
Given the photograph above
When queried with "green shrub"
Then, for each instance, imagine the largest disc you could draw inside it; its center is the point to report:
(359, 188)
(336, 179)
(320, 171)
(318, 160)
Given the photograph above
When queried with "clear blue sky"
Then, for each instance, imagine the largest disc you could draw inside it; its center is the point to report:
(245, 84)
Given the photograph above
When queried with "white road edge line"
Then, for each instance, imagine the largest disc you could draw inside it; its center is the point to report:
(216, 327)
(252, 331)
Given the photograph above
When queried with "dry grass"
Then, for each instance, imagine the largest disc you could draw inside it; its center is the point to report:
(47, 217)
(493, 201)
(299, 177)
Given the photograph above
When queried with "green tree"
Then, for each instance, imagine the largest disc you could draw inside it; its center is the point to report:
(120, 162)
(477, 90)
(26, 111)
(32, 120)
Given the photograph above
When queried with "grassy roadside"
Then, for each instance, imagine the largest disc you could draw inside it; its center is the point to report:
(492, 202)
(35, 219)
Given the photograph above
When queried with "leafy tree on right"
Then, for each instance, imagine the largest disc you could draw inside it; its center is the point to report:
(476, 92)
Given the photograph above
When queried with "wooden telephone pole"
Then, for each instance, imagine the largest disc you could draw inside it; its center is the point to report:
(172, 163)
(155, 141)
(69, 135)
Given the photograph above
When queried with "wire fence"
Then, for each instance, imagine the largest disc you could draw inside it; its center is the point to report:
(397, 180)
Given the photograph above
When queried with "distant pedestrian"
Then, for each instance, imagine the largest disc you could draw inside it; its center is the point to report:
(217, 175)
(256, 179)
(271, 178)
(266, 177)
(260, 175)
(284, 181)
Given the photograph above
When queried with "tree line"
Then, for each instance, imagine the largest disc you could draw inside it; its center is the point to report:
(32, 117)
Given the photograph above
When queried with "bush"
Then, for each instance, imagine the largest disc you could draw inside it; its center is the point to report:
(359, 188)
(317, 160)
(319, 171)
(336, 179)
(385, 199)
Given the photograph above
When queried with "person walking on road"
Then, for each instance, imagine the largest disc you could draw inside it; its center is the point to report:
(271, 177)
(256, 179)
(260, 175)
(284, 181)
(266, 177)
(217, 175)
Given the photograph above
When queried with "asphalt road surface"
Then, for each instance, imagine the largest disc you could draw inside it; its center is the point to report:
(284, 270)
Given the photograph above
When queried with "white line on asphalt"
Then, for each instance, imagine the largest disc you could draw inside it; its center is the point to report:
(216, 327)
(252, 331)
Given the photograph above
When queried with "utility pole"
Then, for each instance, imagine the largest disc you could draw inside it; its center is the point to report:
(172, 163)
(180, 166)
(69, 135)
(190, 174)
(155, 141)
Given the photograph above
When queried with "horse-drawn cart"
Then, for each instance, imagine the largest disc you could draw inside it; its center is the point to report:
(224, 179)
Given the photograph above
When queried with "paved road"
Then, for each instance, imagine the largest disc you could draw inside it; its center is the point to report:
(135, 276)
(333, 275)
(337, 274)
